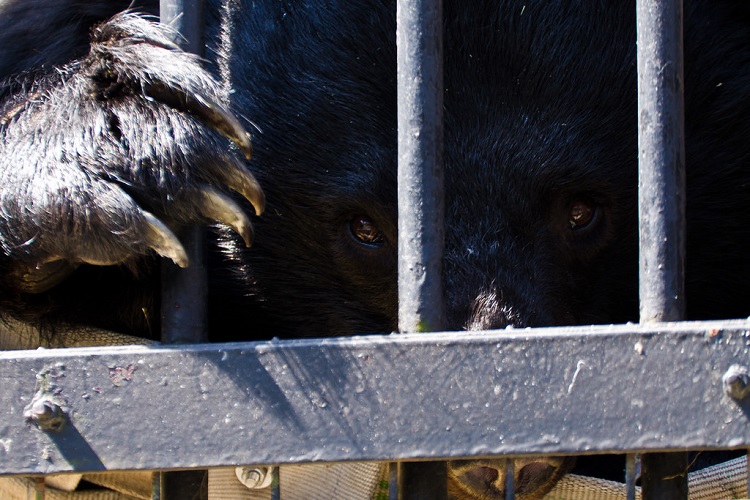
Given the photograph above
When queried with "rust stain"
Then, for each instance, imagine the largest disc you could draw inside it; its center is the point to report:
(119, 374)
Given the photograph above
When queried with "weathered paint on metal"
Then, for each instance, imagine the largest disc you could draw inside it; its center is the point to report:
(395, 397)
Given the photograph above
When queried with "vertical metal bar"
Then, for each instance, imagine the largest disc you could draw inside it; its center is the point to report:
(184, 290)
(40, 489)
(747, 474)
(276, 483)
(156, 486)
(631, 473)
(420, 158)
(186, 17)
(183, 300)
(184, 293)
(661, 199)
(510, 478)
(661, 160)
(420, 197)
(393, 480)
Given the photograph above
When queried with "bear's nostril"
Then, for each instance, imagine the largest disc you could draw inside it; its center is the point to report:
(481, 479)
(487, 475)
(533, 476)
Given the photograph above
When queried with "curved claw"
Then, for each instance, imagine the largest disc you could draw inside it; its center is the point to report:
(223, 121)
(217, 206)
(239, 179)
(163, 241)
(205, 109)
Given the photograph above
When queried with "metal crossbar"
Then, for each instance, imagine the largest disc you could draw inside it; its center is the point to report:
(395, 397)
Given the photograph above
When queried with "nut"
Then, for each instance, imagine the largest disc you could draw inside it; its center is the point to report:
(255, 478)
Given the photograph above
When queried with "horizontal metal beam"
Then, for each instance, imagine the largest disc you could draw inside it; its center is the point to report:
(395, 397)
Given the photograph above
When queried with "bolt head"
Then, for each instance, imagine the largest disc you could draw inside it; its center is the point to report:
(255, 478)
(736, 382)
(46, 414)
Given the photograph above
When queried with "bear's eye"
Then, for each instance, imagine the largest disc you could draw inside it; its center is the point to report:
(365, 231)
(582, 214)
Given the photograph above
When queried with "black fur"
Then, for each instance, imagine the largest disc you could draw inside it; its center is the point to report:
(540, 116)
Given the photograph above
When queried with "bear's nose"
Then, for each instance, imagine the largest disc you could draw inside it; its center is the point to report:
(485, 478)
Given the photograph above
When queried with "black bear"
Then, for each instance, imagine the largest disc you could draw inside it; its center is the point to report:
(113, 139)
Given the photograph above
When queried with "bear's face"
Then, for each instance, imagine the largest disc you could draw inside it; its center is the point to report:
(540, 159)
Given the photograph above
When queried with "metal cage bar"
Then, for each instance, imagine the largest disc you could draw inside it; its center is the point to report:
(184, 299)
(184, 303)
(420, 165)
(419, 41)
(395, 397)
(661, 154)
